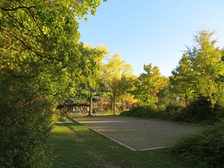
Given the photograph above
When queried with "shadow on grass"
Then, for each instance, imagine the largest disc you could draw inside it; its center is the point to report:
(96, 115)
(74, 128)
(64, 124)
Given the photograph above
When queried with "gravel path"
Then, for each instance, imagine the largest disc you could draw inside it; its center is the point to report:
(139, 134)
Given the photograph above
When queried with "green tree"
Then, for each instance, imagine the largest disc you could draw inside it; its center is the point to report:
(149, 84)
(40, 57)
(182, 82)
(209, 67)
(91, 80)
(200, 71)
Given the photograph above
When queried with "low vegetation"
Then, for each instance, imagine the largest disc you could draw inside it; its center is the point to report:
(196, 112)
(203, 150)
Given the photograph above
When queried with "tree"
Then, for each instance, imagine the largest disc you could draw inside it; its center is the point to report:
(182, 82)
(209, 67)
(117, 76)
(39, 51)
(201, 70)
(149, 84)
(90, 81)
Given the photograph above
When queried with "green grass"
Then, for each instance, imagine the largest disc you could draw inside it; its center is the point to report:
(75, 146)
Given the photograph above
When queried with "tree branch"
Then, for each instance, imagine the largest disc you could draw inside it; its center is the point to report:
(19, 7)
(27, 46)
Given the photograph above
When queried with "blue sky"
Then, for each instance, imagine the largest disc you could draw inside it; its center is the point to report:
(152, 31)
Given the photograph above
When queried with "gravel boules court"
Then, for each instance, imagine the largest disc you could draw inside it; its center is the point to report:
(139, 134)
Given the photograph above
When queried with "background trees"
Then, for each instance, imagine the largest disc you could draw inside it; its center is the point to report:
(194, 92)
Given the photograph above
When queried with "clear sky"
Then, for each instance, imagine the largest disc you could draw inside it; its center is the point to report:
(152, 31)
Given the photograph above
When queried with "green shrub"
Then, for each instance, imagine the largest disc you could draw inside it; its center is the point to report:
(198, 111)
(23, 132)
(200, 108)
(146, 111)
(174, 108)
(203, 150)
(25, 122)
(219, 111)
(141, 111)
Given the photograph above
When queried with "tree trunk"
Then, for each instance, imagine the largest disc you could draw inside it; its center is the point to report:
(186, 100)
(213, 102)
(90, 103)
(114, 103)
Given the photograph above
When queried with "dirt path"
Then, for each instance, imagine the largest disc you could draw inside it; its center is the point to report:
(139, 134)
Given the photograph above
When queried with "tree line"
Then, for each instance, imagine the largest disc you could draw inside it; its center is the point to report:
(198, 78)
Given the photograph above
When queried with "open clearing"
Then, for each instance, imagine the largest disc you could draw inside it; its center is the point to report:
(139, 134)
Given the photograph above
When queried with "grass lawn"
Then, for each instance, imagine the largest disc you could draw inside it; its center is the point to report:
(75, 146)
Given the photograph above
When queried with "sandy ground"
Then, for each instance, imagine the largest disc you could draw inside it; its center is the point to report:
(139, 134)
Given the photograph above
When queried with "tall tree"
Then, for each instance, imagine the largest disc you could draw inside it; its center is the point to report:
(182, 82)
(116, 76)
(201, 69)
(209, 67)
(90, 81)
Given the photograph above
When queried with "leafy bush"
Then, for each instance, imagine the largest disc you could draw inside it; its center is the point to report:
(23, 135)
(203, 150)
(25, 121)
(174, 108)
(198, 111)
(146, 111)
(152, 111)
(200, 108)
(219, 111)
(142, 111)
